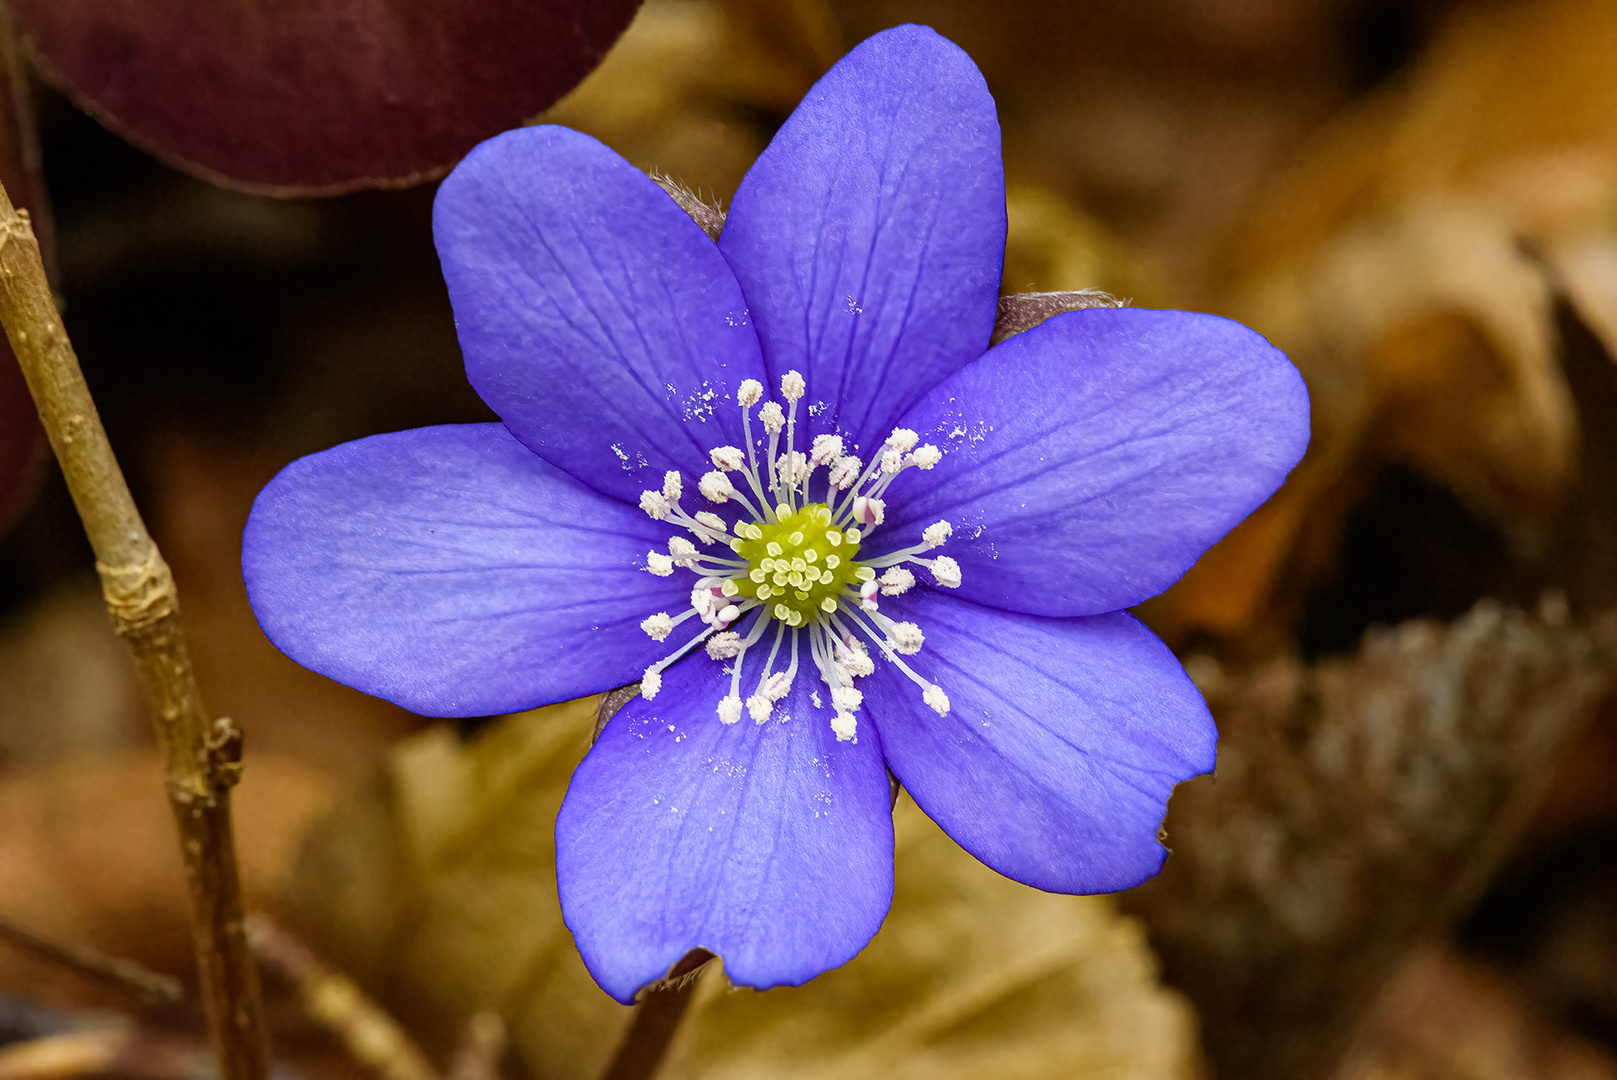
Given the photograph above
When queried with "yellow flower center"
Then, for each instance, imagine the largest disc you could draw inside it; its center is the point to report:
(800, 563)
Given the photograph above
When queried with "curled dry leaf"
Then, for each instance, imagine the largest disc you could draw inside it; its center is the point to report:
(1359, 803)
(437, 888)
(317, 96)
(1410, 264)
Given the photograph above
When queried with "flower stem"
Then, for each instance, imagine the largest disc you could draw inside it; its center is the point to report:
(203, 756)
(656, 1019)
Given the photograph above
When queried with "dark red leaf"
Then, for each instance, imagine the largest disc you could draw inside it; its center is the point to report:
(300, 97)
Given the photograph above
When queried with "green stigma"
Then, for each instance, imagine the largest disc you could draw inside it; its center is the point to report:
(799, 563)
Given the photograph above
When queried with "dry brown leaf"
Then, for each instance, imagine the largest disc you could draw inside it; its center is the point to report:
(1447, 1018)
(438, 889)
(66, 685)
(1359, 803)
(1408, 263)
(88, 853)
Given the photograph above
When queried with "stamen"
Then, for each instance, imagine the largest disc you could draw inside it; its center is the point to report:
(827, 449)
(844, 471)
(655, 504)
(886, 649)
(711, 521)
(716, 487)
(683, 551)
(651, 682)
(868, 511)
(906, 637)
(897, 581)
(799, 564)
(724, 646)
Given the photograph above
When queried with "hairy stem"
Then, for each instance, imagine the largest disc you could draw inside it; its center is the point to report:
(656, 1019)
(203, 756)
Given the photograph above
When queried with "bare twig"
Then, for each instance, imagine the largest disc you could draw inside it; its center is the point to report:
(203, 756)
(152, 988)
(331, 998)
(656, 1018)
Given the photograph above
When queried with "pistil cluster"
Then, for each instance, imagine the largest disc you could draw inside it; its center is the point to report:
(790, 578)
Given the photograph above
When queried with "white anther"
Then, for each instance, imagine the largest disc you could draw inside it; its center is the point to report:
(891, 461)
(683, 552)
(853, 661)
(716, 487)
(846, 698)
(845, 471)
(702, 600)
(794, 467)
(651, 682)
(725, 645)
(759, 707)
(902, 439)
(655, 504)
(774, 420)
(869, 589)
(657, 626)
(711, 528)
(776, 686)
(896, 582)
(659, 564)
(927, 456)
(826, 449)
(730, 709)
(936, 533)
(906, 638)
(845, 726)
(946, 571)
(935, 697)
(728, 458)
(792, 386)
(673, 486)
(751, 393)
(729, 613)
(868, 511)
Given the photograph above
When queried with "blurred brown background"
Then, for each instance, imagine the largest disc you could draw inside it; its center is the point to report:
(1407, 865)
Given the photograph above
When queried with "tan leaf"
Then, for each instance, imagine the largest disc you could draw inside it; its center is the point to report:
(438, 889)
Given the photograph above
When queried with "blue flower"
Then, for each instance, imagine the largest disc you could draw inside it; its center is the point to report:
(783, 481)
